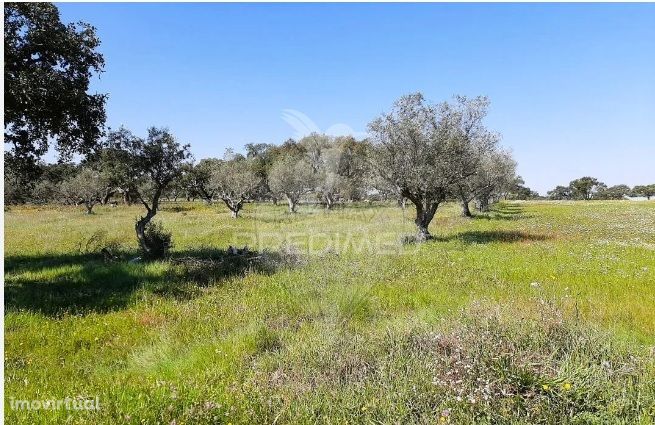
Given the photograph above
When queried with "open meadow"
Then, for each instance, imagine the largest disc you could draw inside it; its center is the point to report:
(536, 312)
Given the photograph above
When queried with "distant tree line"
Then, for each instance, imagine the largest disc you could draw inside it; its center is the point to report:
(588, 188)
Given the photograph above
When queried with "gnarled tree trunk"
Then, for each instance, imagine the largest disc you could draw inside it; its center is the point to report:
(465, 199)
(140, 226)
(425, 210)
(329, 201)
(234, 206)
(109, 192)
(466, 211)
(293, 202)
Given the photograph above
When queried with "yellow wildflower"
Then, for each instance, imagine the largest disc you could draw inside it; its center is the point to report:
(567, 386)
(546, 387)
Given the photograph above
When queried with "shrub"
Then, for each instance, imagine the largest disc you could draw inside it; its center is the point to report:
(158, 239)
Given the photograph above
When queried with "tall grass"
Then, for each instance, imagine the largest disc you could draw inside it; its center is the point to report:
(533, 313)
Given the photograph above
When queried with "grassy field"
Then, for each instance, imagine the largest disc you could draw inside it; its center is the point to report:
(532, 313)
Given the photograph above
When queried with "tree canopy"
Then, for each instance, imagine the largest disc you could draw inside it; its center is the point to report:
(48, 68)
(424, 150)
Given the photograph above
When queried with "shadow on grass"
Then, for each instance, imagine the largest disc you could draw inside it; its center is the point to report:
(56, 285)
(491, 236)
(503, 212)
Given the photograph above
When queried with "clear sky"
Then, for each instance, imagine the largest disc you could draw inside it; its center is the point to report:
(572, 86)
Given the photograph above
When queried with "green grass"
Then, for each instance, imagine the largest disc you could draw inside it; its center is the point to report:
(533, 313)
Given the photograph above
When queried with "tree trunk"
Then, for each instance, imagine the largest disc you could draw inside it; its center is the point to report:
(465, 199)
(329, 201)
(126, 197)
(424, 213)
(108, 194)
(140, 226)
(292, 204)
(483, 204)
(274, 200)
(233, 206)
(466, 212)
(204, 195)
(89, 207)
(235, 209)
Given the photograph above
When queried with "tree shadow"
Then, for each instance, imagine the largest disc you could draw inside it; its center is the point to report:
(57, 285)
(491, 236)
(503, 212)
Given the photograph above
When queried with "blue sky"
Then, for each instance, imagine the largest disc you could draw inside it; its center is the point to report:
(572, 86)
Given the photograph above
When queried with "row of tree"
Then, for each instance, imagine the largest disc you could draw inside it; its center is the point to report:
(420, 152)
(588, 188)
(321, 168)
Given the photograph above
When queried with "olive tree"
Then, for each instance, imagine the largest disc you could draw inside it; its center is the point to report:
(329, 181)
(196, 179)
(233, 181)
(496, 175)
(425, 149)
(115, 164)
(341, 172)
(86, 187)
(293, 177)
(155, 161)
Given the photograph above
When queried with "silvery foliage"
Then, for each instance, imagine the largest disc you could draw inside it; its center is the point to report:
(425, 149)
(87, 187)
(293, 177)
(233, 181)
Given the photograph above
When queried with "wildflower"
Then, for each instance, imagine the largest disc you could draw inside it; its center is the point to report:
(364, 408)
(567, 386)
(546, 387)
